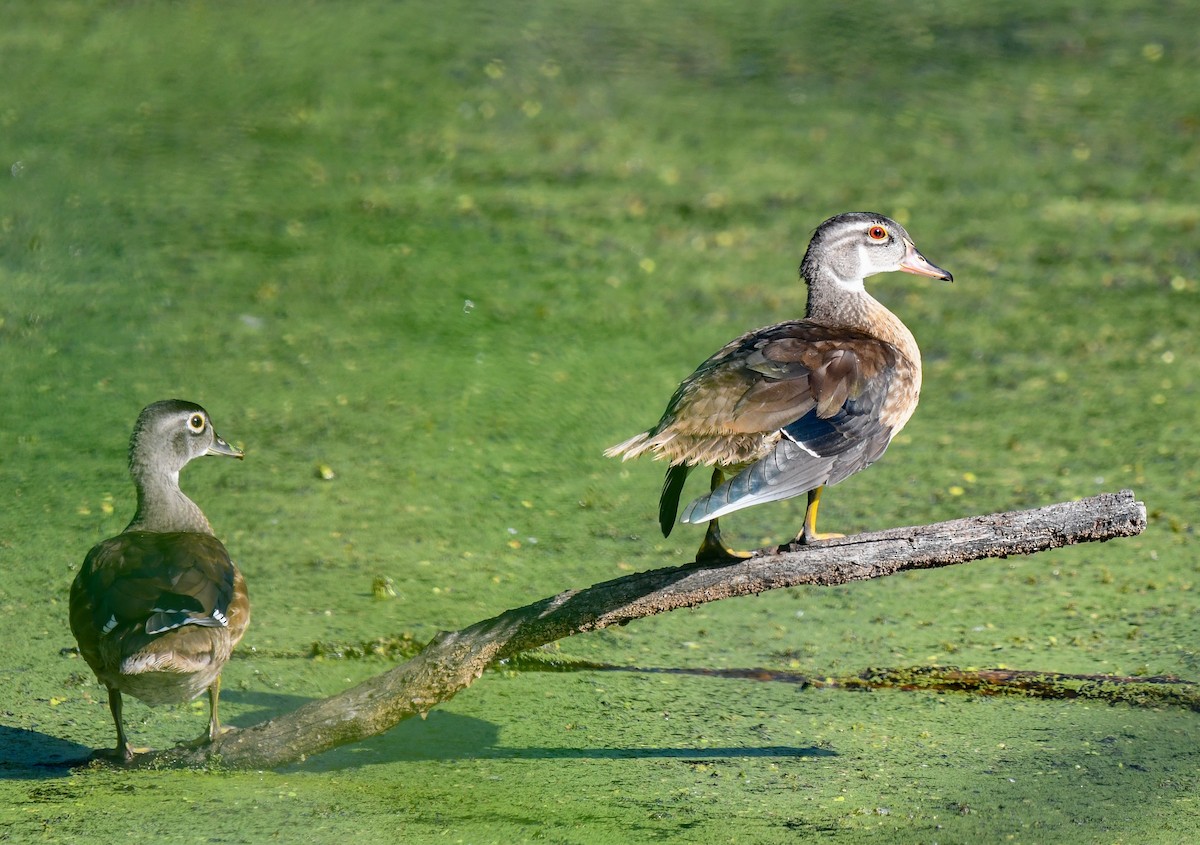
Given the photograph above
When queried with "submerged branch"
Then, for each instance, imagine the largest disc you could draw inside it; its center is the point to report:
(1136, 690)
(452, 661)
(1149, 691)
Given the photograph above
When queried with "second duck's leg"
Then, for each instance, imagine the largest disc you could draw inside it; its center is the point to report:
(214, 721)
(124, 751)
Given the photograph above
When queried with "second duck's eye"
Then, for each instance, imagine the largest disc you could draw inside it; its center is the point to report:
(196, 423)
(877, 233)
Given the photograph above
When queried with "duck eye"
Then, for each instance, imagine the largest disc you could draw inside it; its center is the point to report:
(877, 233)
(196, 423)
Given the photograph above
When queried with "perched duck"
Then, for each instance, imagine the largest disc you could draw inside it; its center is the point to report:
(157, 609)
(794, 407)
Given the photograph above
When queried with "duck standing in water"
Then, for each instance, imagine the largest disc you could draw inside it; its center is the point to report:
(157, 609)
(797, 406)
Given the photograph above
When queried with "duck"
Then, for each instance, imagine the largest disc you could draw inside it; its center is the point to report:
(795, 407)
(157, 609)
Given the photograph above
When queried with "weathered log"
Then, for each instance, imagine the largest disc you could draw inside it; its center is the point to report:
(452, 661)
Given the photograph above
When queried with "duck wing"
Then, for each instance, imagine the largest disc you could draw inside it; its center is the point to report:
(137, 586)
(821, 399)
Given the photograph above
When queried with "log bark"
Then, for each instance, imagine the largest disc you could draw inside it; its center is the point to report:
(452, 661)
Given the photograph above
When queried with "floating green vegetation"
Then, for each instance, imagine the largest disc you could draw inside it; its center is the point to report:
(425, 263)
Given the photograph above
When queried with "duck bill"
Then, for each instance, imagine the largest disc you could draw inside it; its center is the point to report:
(914, 262)
(220, 447)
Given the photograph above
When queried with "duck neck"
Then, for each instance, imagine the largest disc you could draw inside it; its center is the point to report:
(833, 301)
(162, 506)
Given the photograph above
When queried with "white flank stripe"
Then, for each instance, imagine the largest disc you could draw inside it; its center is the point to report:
(801, 445)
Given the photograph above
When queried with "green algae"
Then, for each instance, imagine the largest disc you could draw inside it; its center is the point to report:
(424, 266)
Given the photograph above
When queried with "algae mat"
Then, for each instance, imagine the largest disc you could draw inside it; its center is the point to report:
(424, 265)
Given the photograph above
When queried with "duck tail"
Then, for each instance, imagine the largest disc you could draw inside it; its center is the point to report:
(668, 501)
(780, 475)
(630, 448)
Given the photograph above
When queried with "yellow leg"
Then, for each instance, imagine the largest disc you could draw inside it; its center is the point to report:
(713, 549)
(214, 721)
(810, 533)
(215, 728)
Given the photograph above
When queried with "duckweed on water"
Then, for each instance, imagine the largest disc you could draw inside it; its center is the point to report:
(283, 213)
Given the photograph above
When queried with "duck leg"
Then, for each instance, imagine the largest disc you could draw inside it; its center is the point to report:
(810, 534)
(214, 720)
(713, 549)
(215, 727)
(124, 751)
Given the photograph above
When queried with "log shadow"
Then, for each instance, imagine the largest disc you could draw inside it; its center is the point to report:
(256, 706)
(451, 737)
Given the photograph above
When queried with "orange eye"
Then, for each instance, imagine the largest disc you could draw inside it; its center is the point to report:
(877, 233)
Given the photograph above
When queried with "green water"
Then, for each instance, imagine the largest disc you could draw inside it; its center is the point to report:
(447, 256)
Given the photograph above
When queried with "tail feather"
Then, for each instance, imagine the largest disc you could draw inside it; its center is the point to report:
(630, 448)
(788, 471)
(668, 501)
